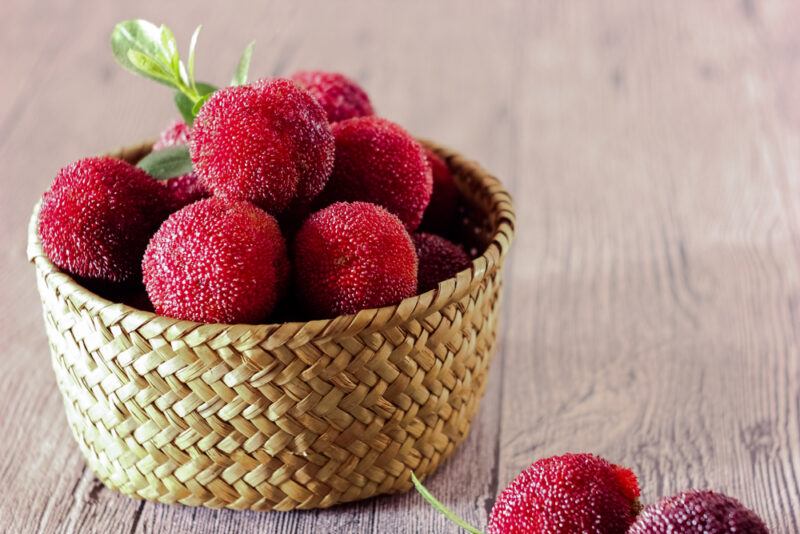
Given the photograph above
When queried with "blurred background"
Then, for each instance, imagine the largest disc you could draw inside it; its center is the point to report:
(652, 295)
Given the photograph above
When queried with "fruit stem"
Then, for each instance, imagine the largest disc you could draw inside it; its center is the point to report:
(449, 514)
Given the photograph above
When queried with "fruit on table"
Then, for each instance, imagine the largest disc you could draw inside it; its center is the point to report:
(698, 512)
(568, 494)
(97, 217)
(216, 261)
(351, 256)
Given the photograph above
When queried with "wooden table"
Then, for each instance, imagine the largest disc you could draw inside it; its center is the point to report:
(652, 305)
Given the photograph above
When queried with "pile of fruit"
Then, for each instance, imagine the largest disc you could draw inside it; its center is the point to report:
(279, 191)
(583, 493)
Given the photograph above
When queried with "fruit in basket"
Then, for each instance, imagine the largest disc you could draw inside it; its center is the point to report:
(183, 190)
(568, 494)
(176, 134)
(339, 96)
(698, 512)
(439, 259)
(351, 256)
(441, 214)
(97, 217)
(268, 143)
(216, 261)
(378, 161)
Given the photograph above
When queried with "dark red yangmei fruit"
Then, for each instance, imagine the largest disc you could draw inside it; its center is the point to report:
(216, 261)
(379, 162)
(339, 96)
(442, 210)
(569, 494)
(97, 217)
(183, 190)
(698, 512)
(439, 259)
(268, 142)
(178, 133)
(351, 256)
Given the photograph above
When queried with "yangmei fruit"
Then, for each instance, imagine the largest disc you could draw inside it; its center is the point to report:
(698, 512)
(183, 190)
(379, 162)
(176, 134)
(339, 96)
(568, 494)
(268, 142)
(439, 259)
(97, 217)
(351, 256)
(441, 214)
(216, 261)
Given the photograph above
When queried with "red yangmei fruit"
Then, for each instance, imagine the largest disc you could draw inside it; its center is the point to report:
(698, 512)
(379, 162)
(339, 96)
(183, 190)
(351, 256)
(178, 133)
(569, 494)
(268, 142)
(97, 217)
(440, 215)
(216, 261)
(439, 259)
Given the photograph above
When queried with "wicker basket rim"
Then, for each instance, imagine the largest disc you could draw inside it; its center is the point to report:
(417, 306)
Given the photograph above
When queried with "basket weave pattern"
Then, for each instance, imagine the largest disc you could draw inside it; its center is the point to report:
(281, 416)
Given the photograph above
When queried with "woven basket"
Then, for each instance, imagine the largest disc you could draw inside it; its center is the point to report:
(279, 416)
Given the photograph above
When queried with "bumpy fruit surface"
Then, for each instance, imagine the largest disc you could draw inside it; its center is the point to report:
(351, 256)
(268, 143)
(183, 190)
(569, 494)
(379, 162)
(442, 211)
(176, 134)
(698, 512)
(439, 259)
(216, 261)
(97, 217)
(339, 96)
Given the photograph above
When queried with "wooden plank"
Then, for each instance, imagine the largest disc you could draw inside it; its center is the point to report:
(652, 297)
(658, 327)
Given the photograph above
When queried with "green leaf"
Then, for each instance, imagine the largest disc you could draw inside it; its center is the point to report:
(185, 104)
(199, 104)
(142, 38)
(240, 77)
(192, 47)
(449, 514)
(169, 51)
(150, 67)
(167, 162)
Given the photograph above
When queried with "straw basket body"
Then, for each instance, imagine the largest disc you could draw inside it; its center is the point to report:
(279, 416)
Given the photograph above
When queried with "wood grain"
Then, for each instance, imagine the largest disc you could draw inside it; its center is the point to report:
(652, 304)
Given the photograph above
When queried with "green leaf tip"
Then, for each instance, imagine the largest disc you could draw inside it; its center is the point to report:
(449, 514)
(167, 162)
(242, 70)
